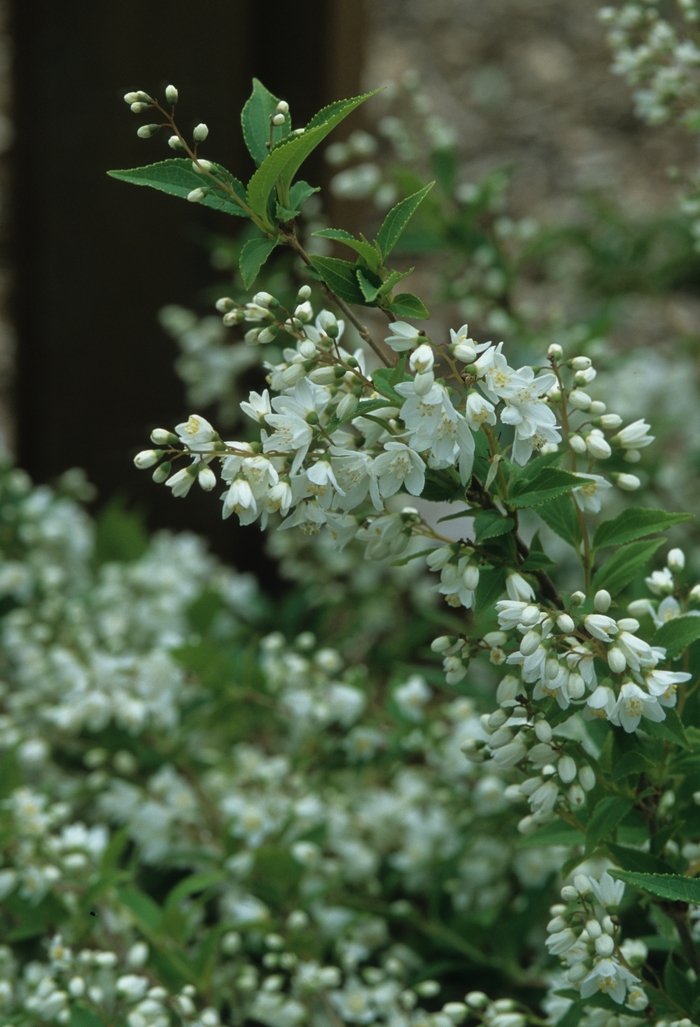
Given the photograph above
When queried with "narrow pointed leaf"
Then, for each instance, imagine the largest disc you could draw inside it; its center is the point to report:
(340, 276)
(397, 219)
(547, 484)
(605, 819)
(370, 290)
(408, 305)
(665, 886)
(255, 120)
(635, 523)
(677, 634)
(283, 162)
(369, 253)
(177, 177)
(625, 565)
(560, 515)
(253, 256)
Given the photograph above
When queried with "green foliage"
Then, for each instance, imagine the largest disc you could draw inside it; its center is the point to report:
(663, 886)
(677, 634)
(397, 219)
(635, 523)
(545, 484)
(606, 816)
(177, 177)
(625, 565)
(258, 131)
(253, 255)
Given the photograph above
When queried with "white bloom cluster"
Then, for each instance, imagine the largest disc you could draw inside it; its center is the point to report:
(584, 934)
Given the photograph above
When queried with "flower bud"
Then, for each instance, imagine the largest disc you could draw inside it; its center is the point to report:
(131, 98)
(422, 358)
(579, 399)
(604, 945)
(565, 623)
(278, 119)
(200, 133)
(555, 352)
(471, 577)
(147, 458)
(632, 456)
(139, 108)
(602, 601)
(442, 643)
(508, 688)
(225, 304)
(161, 472)
(423, 383)
(282, 107)
(616, 660)
(171, 95)
(577, 443)
(568, 893)
(161, 436)
(196, 196)
(676, 559)
(609, 421)
(476, 999)
(597, 445)
(464, 350)
(578, 597)
(628, 482)
(174, 143)
(586, 776)
(566, 768)
(543, 731)
(207, 479)
(304, 294)
(582, 884)
(580, 363)
(597, 408)
(146, 131)
(201, 165)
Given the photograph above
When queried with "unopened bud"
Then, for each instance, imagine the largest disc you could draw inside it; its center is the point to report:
(565, 623)
(282, 107)
(225, 304)
(555, 352)
(138, 107)
(171, 95)
(207, 479)
(200, 133)
(609, 421)
(174, 143)
(196, 196)
(278, 119)
(601, 601)
(162, 472)
(579, 399)
(147, 458)
(580, 363)
(346, 408)
(566, 768)
(146, 131)
(586, 776)
(200, 165)
(131, 98)
(577, 443)
(676, 559)
(628, 482)
(597, 408)
(304, 294)
(161, 437)
(632, 456)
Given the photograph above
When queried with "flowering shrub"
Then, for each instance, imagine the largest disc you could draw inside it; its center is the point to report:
(471, 798)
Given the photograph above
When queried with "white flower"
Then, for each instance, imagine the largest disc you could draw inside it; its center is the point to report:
(479, 411)
(257, 406)
(196, 433)
(660, 582)
(422, 359)
(403, 336)
(602, 702)
(518, 588)
(588, 496)
(662, 684)
(396, 466)
(608, 891)
(634, 436)
(600, 626)
(609, 977)
(412, 697)
(239, 499)
(633, 704)
(637, 652)
(182, 481)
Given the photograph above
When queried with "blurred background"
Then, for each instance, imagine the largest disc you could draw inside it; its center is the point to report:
(86, 371)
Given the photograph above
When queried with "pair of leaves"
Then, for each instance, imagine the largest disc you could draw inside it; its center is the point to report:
(546, 484)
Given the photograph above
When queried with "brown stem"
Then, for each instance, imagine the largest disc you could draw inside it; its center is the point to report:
(678, 913)
(388, 360)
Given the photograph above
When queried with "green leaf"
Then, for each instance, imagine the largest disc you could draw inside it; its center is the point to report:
(414, 556)
(633, 524)
(605, 818)
(147, 913)
(255, 120)
(408, 305)
(677, 984)
(190, 886)
(560, 515)
(624, 566)
(490, 524)
(492, 583)
(442, 487)
(677, 634)
(340, 276)
(392, 279)
(84, 1016)
(253, 255)
(381, 378)
(665, 886)
(177, 177)
(554, 833)
(573, 1015)
(370, 290)
(32, 919)
(282, 163)
(367, 250)
(671, 729)
(633, 762)
(547, 484)
(397, 219)
(634, 859)
(300, 192)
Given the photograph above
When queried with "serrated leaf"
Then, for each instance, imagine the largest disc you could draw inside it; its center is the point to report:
(253, 255)
(624, 565)
(677, 984)
(177, 177)
(392, 279)
(397, 219)
(490, 524)
(413, 556)
(630, 763)
(665, 886)
(536, 562)
(492, 583)
(442, 487)
(339, 276)
(547, 484)
(677, 634)
(634, 859)
(366, 250)
(282, 163)
(255, 121)
(559, 515)
(671, 729)
(300, 192)
(370, 290)
(381, 378)
(408, 305)
(605, 818)
(635, 523)
(554, 833)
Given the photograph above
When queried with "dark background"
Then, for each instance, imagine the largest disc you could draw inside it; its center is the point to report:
(94, 260)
